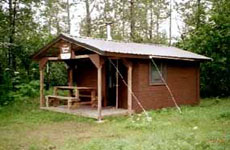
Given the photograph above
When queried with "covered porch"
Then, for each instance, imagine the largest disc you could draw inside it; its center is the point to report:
(95, 67)
(87, 111)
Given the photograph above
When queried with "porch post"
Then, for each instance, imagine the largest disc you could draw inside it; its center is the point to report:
(130, 68)
(70, 79)
(99, 91)
(98, 61)
(70, 76)
(129, 65)
(42, 100)
(42, 64)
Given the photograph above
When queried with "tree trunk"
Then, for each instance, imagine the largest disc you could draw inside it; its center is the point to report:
(151, 22)
(106, 8)
(58, 25)
(88, 19)
(10, 35)
(157, 23)
(146, 21)
(198, 14)
(132, 20)
(170, 23)
(68, 17)
(12, 18)
(49, 25)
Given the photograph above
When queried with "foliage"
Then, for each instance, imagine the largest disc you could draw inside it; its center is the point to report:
(138, 21)
(212, 39)
(5, 88)
(21, 34)
(168, 129)
(27, 90)
(57, 74)
(26, 25)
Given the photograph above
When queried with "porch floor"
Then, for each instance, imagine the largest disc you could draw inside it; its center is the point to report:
(87, 111)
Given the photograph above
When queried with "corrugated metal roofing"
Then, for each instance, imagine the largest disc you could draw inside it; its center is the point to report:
(138, 48)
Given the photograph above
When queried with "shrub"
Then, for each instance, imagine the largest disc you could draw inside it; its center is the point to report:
(27, 90)
(5, 97)
(5, 87)
(225, 115)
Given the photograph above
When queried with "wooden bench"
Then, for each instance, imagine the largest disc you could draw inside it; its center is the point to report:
(76, 91)
(70, 100)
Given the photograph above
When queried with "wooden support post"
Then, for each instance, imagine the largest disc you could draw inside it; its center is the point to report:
(77, 95)
(93, 98)
(69, 103)
(99, 91)
(70, 76)
(130, 89)
(129, 65)
(98, 61)
(117, 79)
(42, 64)
(42, 99)
(55, 91)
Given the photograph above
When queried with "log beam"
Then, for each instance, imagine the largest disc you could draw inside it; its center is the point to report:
(99, 91)
(70, 76)
(129, 66)
(42, 64)
(42, 97)
(98, 61)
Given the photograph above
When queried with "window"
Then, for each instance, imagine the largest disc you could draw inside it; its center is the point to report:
(155, 77)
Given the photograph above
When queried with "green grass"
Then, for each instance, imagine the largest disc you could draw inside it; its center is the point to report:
(24, 126)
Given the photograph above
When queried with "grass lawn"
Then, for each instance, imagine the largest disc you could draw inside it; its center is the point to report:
(24, 126)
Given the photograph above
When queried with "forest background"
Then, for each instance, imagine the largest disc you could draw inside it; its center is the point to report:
(201, 26)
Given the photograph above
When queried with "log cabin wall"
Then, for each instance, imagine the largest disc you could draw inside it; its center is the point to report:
(85, 74)
(182, 78)
(122, 88)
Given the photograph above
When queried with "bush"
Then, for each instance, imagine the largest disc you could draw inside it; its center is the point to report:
(26, 90)
(225, 115)
(5, 97)
(5, 87)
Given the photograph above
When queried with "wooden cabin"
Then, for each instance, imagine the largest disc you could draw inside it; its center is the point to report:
(112, 78)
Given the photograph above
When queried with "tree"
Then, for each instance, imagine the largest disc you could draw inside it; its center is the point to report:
(68, 16)
(132, 20)
(211, 37)
(170, 23)
(12, 8)
(56, 15)
(88, 18)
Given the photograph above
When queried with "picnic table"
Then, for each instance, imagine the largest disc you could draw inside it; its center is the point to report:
(74, 95)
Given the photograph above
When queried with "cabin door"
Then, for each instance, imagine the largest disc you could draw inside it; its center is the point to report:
(115, 87)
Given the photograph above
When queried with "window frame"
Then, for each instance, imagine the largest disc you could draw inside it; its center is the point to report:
(163, 69)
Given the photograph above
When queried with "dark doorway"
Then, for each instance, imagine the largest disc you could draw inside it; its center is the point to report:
(111, 84)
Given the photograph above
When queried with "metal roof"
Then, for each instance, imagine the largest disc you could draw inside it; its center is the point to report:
(138, 48)
(103, 47)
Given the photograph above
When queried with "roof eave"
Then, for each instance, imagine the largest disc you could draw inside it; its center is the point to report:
(69, 39)
(65, 38)
(181, 58)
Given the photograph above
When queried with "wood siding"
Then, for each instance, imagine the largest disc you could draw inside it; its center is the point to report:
(182, 78)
